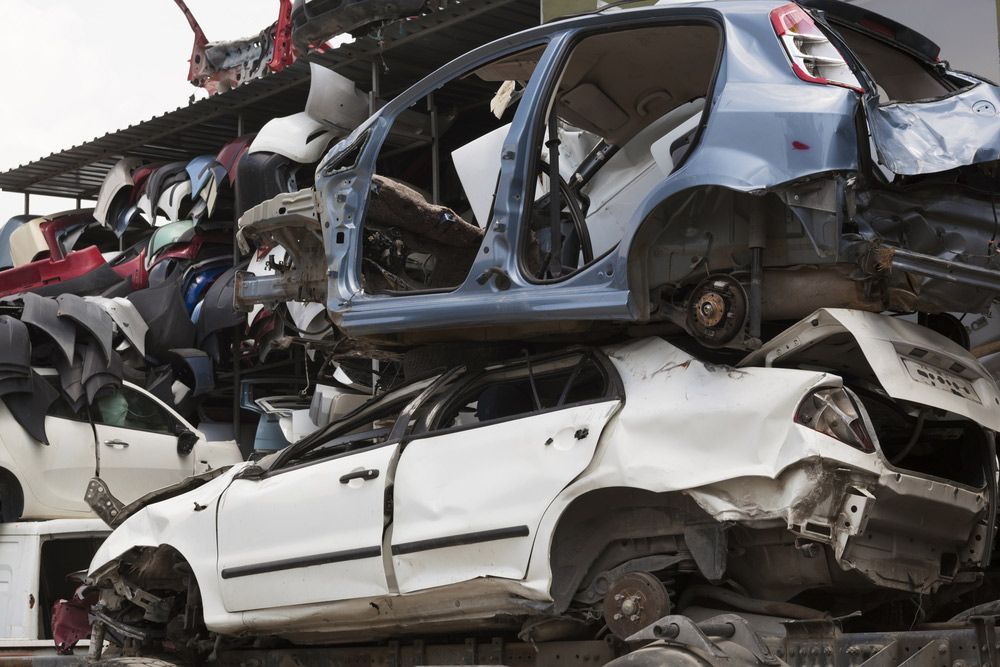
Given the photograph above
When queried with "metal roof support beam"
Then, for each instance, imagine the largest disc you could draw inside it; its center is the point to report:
(237, 330)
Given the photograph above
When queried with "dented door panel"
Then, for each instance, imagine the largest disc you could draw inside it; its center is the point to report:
(933, 136)
(308, 534)
(490, 486)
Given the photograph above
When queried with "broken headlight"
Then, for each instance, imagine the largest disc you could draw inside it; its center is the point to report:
(832, 412)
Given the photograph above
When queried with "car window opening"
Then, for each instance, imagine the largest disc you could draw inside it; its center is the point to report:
(120, 407)
(431, 198)
(899, 76)
(616, 137)
(522, 388)
(124, 408)
(368, 426)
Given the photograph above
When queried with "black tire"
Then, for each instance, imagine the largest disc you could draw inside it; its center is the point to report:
(11, 498)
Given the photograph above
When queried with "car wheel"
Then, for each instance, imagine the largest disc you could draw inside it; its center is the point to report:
(11, 498)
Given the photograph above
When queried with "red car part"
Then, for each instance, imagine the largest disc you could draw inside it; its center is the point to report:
(47, 271)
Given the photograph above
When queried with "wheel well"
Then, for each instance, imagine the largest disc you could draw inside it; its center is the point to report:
(607, 527)
(162, 565)
(713, 208)
(11, 497)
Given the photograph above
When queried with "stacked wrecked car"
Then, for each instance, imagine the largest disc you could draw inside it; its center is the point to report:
(687, 341)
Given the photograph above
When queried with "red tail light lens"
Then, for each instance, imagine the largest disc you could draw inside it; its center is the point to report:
(832, 412)
(814, 58)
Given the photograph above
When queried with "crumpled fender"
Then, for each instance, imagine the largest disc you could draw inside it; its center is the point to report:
(126, 318)
(15, 344)
(71, 379)
(334, 100)
(159, 181)
(30, 407)
(199, 172)
(90, 317)
(99, 373)
(933, 136)
(172, 199)
(6, 230)
(297, 137)
(43, 314)
(115, 190)
(230, 155)
(186, 523)
(193, 367)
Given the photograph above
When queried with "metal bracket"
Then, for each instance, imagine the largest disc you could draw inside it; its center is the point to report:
(122, 629)
(156, 609)
(680, 630)
(986, 634)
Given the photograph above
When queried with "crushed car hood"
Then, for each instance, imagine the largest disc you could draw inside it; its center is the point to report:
(912, 363)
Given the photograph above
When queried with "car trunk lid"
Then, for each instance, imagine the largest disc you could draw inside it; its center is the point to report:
(910, 362)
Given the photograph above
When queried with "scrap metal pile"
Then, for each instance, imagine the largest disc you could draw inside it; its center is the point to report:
(134, 288)
(694, 351)
(149, 275)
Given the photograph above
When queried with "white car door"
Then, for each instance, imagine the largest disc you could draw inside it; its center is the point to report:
(138, 443)
(311, 528)
(306, 534)
(469, 494)
(56, 474)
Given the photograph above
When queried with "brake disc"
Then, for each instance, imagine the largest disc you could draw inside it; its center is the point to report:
(634, 601)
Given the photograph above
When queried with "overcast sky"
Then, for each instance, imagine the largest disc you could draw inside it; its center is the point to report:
(77, 69)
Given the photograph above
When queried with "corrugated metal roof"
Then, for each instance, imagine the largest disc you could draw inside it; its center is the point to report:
(200, 127)
(404, 51)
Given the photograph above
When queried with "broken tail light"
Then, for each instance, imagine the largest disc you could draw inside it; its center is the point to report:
(814, 58)
(832, 412)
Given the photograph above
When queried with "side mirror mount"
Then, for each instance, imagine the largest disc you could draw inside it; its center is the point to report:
(252, 471)
(186, 440)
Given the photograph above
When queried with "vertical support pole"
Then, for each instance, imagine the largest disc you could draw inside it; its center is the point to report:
(27, 203)
(435, 151)
(376, 86)
(757, 243)
(237, 330)
(372, 101)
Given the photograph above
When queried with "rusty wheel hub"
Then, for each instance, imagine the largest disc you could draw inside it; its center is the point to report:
(633, 602)
(710, 309)
(716, 310)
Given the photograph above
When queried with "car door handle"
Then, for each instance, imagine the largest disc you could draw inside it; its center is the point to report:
(117, 444)
(366, 475)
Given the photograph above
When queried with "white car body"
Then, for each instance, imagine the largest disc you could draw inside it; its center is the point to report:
(53, 478)
(493, 521)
